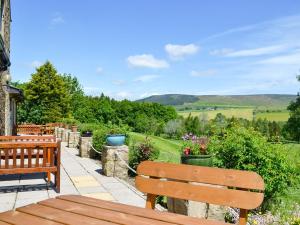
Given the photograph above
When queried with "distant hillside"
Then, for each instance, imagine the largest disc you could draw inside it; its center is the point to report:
(196, 102)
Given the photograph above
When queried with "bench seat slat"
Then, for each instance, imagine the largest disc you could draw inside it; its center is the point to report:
(26, 169)
(209, 175)
(88, 202)
(59, 215)
(19, 218)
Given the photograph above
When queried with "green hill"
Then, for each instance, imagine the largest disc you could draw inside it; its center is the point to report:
(194, 102)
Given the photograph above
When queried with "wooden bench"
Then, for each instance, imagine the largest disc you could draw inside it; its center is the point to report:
(49, 128)
(31, 157)
(234, 188)
(29, 129)
(29, 138)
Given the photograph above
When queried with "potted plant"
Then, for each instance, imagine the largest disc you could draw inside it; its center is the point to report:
(86, 129)
(116, 135)
(195, 151)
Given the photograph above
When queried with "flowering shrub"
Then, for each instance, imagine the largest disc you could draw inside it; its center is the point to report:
(194, 145)
(141, 152)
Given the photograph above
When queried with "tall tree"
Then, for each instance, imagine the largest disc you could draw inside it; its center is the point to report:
(47, 97)
(293, 123)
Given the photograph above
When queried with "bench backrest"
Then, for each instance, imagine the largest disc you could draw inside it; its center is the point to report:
(31, 138)
(24, 157)
(234, 188)
(29, 129)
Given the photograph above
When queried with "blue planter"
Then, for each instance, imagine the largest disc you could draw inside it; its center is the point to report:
(115, 139)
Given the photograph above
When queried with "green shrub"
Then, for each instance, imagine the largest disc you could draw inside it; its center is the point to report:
(245, 149)
(69, 121)
(84, 127)
(99, 138)
(141, 152)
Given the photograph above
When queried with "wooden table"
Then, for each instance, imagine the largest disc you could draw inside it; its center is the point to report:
(75, 209)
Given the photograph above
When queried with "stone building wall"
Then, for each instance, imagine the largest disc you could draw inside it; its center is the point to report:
(4, 97)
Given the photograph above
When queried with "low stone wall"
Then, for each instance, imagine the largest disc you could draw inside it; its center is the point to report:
(112, 165)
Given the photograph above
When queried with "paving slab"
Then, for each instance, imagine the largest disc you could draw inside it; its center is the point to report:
(79, 176)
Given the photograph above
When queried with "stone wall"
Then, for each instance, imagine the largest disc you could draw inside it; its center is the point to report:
(2, 110)
(4, 98)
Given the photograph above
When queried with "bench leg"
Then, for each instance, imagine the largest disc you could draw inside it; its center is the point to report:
(57, 180)
(48, 177)
(243, 217)
(150, 202)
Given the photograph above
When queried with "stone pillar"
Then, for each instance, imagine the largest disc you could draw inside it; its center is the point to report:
(112, 166)
(60, 133)
(56, 131)
(65, 135)
(84, 146)
(197, 209)
(73, 139)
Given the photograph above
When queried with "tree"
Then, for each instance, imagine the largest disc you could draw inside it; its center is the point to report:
(46, 96)
(174, 128)
(293, 124)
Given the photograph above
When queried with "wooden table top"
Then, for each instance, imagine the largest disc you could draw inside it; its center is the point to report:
(75, 209)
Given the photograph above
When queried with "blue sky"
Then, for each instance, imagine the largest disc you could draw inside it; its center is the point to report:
(136, 48)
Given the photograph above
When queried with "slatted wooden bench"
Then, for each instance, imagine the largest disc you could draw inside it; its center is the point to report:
(29, 129)
(234, 188)
(29, 138)
(31, 157)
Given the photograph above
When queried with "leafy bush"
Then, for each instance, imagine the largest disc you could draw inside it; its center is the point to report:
(245, 149)
(84, 127)
(141, 152)
(69, 121)
(99, 138)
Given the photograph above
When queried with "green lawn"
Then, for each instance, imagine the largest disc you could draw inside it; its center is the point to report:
(169, 149)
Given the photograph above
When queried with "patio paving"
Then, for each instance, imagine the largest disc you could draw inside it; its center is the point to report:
(80, 176)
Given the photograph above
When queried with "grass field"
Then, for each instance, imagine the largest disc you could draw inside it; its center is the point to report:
(169, 149)
(246, 113)
(274, 116)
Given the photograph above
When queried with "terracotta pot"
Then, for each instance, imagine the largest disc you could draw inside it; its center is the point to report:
(74, 128)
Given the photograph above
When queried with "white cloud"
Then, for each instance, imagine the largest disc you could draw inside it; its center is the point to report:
(146, 60)
(36, 64)
(179, 51)
(289, 59)
(257, 51)
(203, 73)
(99, 70)
(146, 78)
(221, 52)
(57, 19)
(119, 82)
